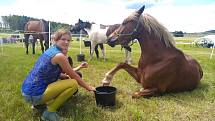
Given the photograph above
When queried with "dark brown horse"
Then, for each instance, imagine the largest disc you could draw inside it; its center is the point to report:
(162, 67)
(39, 29)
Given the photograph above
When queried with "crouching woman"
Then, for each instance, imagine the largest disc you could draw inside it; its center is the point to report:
(42, 85)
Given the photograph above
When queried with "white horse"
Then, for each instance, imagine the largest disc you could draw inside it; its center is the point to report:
(96, 36)
(99, 36)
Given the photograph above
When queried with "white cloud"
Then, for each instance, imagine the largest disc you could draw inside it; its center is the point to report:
(187, 18)
(195, 18)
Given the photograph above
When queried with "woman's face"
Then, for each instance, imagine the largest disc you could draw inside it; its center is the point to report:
(63, 43)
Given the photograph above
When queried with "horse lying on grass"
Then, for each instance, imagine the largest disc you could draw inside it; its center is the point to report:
(162, 67)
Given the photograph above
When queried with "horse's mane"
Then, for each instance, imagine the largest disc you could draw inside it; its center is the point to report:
(111, 29)
(158, 30)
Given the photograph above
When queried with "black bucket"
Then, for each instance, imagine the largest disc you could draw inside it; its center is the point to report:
(105, 96)
(80, 57)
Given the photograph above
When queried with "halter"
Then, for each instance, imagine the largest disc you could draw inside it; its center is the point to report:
(132, 33)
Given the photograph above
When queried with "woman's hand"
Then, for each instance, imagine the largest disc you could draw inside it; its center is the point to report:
(64, 76)
(91, 88)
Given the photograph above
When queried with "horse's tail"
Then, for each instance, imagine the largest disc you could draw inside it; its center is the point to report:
(26, 27)
(45, 26)
(200, 71)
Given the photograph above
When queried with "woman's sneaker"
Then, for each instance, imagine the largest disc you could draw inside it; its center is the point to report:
(50, 116)
(39, 108)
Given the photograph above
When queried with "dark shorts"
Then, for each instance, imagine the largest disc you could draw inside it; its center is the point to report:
(34, 100)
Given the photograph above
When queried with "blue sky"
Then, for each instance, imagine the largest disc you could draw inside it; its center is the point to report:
(175, 15)
(192, 2)
(6, 2)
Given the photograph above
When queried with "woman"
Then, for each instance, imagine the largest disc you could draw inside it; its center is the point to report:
(42, 86)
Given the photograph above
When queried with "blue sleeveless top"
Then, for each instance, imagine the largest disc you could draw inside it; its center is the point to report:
(42, 74)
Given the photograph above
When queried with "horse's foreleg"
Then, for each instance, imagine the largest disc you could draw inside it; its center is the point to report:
(33, 45)
(97, 51)
(42, 47)
(26, 46)
(127, 56)
(46, 44)
(92, 50)
(103, 50)
(26, 42)
(130, 69)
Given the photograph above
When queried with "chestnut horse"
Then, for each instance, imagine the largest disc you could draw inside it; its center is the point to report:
(162, 67)
(39, 29)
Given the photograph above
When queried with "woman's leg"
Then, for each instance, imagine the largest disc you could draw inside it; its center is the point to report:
(58, 92)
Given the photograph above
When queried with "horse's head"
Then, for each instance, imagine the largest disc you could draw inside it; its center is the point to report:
(80, 26)
(127, 31)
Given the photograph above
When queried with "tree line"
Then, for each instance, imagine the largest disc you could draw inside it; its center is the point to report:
(15, 22)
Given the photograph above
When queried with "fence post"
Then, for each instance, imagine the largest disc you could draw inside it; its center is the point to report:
(80, 39)
(212, 51)
(2, 46)
(49, 34)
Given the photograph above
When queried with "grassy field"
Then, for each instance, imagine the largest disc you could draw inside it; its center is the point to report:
(197, 105)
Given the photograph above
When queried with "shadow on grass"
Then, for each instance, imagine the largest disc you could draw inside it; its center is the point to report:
(190, 98)
(82, 105)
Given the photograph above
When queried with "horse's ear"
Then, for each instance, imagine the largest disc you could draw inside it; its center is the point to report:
(79, 20)
(140, 11)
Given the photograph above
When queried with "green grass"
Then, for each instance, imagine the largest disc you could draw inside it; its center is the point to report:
(195, 105)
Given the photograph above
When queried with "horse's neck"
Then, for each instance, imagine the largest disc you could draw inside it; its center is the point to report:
(42, 26)
(95, 27)
(87, 30)
(151, 47)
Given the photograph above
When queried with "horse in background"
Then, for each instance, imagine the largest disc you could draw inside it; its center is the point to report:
(39, 29)
(75, 30)
(98, 36)
(162, 67)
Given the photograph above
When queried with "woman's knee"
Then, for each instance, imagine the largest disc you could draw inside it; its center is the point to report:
(73, 83)
(73, 87)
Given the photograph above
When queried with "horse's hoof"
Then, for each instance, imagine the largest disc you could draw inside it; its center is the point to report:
(105, 83)
(129, 63)
(136, 95)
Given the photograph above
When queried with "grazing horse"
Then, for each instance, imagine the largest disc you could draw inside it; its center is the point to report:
(39, 29)
(162, 67)
(98, 36)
